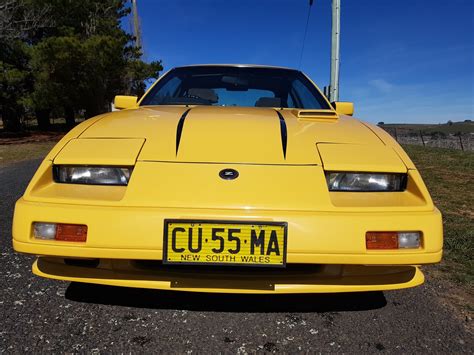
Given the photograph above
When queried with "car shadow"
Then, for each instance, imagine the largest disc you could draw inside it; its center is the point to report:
(214, 302)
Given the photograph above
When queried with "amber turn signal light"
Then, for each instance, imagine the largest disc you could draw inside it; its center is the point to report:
(71, 232)
(381, 240)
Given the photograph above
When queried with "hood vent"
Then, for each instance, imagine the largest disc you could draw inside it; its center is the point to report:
(316, 114)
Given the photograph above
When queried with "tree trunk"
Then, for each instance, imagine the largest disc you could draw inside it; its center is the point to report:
(91, 112)
(11, 119)
(69, 114)
(93, 109)
(43, 119)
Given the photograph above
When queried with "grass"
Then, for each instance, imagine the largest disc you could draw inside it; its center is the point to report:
(16, 152)
(449, 175)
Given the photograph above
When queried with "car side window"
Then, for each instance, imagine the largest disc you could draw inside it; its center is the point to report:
(303, 96)
(167, 91)
(289, 101)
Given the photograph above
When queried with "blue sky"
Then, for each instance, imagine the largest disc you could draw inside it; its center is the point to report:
(401, 61)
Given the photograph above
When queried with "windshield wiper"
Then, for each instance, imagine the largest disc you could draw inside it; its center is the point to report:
(183, 103)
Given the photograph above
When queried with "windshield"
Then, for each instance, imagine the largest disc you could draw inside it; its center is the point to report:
(235, 86)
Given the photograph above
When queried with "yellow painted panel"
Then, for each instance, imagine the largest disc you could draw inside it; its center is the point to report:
(353, 157)
(391, 142)
(199, 185)
(224, 134)
(157, 125)
(267, 187)
(120, 152)
(73, 133)
(228, 134)
(337, 233)
(303, 135)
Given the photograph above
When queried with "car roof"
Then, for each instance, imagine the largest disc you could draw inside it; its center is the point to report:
(236, 66)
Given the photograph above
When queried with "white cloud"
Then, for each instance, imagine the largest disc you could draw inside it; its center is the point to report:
(381, 85)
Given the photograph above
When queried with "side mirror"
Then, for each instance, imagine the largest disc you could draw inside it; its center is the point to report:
(122, 102)
(344, 108)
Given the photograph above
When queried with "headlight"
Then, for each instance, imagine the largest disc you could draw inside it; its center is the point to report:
(365, 182)
(92, 175)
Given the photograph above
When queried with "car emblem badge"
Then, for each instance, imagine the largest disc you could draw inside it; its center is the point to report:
(229, 174)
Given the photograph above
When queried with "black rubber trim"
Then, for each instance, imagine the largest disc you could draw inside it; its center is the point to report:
(283, 132)
(179, 129)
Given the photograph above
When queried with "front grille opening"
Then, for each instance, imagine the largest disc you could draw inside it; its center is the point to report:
(228, 269)
(82, 262)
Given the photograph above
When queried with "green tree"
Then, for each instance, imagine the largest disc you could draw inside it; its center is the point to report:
(138, 72)
(57, 64)
(89, 59)
(80, 61)
(15, 83)
(19, 21)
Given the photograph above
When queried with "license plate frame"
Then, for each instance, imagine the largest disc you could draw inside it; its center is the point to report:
(221, 223)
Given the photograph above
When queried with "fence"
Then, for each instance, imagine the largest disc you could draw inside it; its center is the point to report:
(462, 141)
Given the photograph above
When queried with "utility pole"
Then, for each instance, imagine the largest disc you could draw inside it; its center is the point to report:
(136, 25)
(335, 33)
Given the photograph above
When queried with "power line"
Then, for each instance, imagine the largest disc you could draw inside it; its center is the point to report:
(305, 32)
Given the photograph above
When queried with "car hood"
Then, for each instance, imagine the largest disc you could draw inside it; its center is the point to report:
(230, 134)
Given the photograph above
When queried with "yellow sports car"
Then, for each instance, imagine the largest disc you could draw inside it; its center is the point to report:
(230, 178)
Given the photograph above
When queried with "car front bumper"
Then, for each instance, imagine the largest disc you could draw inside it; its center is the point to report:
(315, 279)
(316, 238)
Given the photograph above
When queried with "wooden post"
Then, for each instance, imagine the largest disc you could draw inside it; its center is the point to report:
(460, 141)
(422, 140)
(335, 50)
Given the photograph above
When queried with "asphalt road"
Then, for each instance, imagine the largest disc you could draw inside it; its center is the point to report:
(44, 315)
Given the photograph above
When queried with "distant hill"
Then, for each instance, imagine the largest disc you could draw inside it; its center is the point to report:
(447, 128)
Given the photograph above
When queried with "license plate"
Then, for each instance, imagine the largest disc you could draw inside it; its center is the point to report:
(201, 242)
